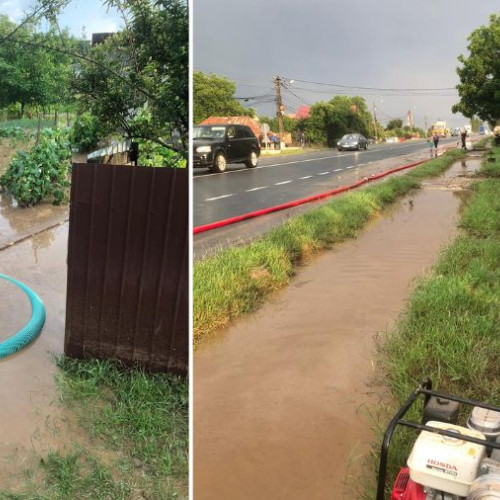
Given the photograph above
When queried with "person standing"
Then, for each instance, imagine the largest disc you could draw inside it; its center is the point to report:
(463, 136)
(436, 142)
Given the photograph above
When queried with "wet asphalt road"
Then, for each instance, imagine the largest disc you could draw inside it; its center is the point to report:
(278, 180)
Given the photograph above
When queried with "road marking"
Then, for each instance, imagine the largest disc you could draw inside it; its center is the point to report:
(256, 189)
(219, 197)
(337, 170)
(352, 166)
(324, 173)
(306, 177)
(281, 183)
(359, 164)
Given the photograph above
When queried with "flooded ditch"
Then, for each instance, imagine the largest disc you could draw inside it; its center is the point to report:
(281, 400)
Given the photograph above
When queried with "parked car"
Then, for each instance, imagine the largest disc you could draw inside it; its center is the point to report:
(217, 145)
(353, 141)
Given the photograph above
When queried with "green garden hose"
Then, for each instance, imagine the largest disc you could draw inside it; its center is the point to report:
(32, 329)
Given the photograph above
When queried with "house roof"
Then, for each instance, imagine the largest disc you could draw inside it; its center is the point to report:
(303, 112)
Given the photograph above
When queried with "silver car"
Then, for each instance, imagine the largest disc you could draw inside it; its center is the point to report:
(353, 141)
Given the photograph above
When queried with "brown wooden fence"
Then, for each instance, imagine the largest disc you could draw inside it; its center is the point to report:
(127, 295)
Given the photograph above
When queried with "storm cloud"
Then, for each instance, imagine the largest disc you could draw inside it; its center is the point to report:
(389, 44)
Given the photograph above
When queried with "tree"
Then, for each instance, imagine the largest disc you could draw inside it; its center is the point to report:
(329, 121)
(289, 124)
(136, 82)
(394, 124)
(479, 87)
(29, 73)
(213, 95)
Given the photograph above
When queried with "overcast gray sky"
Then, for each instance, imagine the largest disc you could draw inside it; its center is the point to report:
(369, 43)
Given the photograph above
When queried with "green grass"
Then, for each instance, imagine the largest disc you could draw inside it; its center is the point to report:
(290, 152)
(450, 330)
(135, 436)
(238, 280)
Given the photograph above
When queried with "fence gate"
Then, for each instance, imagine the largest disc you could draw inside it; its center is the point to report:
(127, 295)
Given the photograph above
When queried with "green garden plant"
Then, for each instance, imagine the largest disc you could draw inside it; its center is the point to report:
(41, 173)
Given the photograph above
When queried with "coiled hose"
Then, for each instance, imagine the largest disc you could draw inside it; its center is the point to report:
(32, 329)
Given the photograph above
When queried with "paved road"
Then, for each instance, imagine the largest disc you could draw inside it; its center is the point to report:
(278, 180)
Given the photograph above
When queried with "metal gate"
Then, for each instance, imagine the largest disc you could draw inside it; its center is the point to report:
(127, 295)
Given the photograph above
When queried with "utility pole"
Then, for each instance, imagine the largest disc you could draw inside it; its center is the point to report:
(425, 124)
(374, 123)
(279, 108)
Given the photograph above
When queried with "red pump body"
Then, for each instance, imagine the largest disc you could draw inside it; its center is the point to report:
(405, 489)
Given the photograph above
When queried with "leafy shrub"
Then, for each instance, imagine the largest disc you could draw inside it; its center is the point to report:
(12, 132)
(42, 172)
(152, 154)
(85, 132)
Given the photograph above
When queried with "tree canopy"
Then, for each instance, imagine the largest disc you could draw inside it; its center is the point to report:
(394, 124)
(213, 95)
(29, 73)
(330, 120)
(136, 81)
(479, 87)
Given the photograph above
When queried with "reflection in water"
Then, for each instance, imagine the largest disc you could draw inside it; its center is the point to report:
(16, 223)
(42, 240)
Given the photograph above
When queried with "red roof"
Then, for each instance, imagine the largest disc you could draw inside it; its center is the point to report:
(303, 112)
(234, 120)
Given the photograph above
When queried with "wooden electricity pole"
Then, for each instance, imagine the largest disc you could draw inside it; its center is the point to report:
(279, 107)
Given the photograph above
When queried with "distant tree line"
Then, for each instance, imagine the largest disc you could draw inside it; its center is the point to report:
(213, 95)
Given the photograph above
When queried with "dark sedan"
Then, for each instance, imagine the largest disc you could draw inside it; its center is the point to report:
(353, 141)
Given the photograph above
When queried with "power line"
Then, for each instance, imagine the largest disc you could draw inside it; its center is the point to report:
(371, 88)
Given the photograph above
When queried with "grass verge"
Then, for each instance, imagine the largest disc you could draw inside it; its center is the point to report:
(130, 440)
(289, 152)
(450, 330)
(237, 280)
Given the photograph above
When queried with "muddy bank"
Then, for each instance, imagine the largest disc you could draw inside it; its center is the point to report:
(30, 416)
(279, 403)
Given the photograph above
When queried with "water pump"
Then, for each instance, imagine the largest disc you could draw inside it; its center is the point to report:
(447, 461)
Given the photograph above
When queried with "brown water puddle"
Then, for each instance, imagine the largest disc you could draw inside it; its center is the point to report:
(280, 402)
(30, 416)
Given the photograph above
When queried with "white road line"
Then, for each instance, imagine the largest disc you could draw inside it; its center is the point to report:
(324, 173)
(352, 166)
(219, 197)
(306, 177)
(256, 189)
(359, 164)
(281, 183)
(337, 170)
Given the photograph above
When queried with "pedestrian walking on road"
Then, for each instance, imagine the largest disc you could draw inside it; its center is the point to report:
(430, 143)
(436, 142)
(463, 136)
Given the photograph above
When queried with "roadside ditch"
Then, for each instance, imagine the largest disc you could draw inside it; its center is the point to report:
(294, 383)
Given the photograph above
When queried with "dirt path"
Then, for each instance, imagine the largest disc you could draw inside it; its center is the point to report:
(279, 401)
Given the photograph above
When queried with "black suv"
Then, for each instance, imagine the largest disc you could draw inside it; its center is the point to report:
(217, 145)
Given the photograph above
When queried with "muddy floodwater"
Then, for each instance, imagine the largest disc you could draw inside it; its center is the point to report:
(280, 400)
(30, 415)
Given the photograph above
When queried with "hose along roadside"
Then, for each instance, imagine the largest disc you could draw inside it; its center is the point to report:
(32, 329)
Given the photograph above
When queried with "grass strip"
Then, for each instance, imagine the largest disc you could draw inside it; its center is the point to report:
(450, 330)
(237, 280)
(133, 436)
